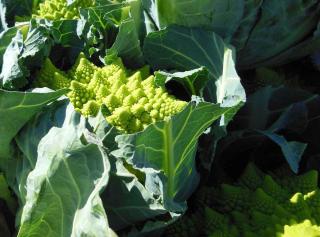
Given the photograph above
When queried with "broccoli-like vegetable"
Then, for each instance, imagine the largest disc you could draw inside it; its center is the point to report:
(51, 77)
(132, 103)
(79, 95)
(82, 70)
(59, 9)
(305, 228)
(257, 205)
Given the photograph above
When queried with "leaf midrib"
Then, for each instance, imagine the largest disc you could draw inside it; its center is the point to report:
(169, 155)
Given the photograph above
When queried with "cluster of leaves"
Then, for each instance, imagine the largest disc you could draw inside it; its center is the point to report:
(65, 173)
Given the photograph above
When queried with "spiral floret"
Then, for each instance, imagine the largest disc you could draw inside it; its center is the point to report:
(135, 104)
(51, 77)
(258, 204)
(79, 95)
(132, 103)
(83, 70)
(60, 10)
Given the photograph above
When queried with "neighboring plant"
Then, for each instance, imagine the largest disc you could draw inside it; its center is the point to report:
(258, 204)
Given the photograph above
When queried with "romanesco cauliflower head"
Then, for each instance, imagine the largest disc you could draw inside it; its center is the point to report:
(59, 9)
(132, 103)
(305, 228)
(257, 205)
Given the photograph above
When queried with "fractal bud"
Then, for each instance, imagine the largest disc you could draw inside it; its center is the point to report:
(133, 103)
(60, 10)
(258, 204)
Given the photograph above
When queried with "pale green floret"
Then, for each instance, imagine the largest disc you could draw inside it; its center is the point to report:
(91, 108)
(114, 73)
(304, 229)
(148, 83)
(132, 103)
(139, 94)
(129, 100)
(120, 117)
(60, 81)
(117, 80)
(102, 93)
(135, 125)
(137, 110)
(83, 70)
(134, 81)
(97, 81)
(145, 118)
(79, 94)
(148, 107)
(122, 92)
(112, 102)
(51, 77)
(257, 205)
(60, 10)
(299, 205)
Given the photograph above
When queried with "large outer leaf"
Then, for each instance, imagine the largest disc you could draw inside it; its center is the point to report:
(63, 189)
(28, 140)
(16, 108)
(165, 151)
(282, 25)
(282, 115)
(170, 48)
(208, 14)
(306, 47)
(190, 48)
(250, 25)
(249, 18)
(126, 199)
(13, 74)
(240, 15)
(127, 44)
(5, 40)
